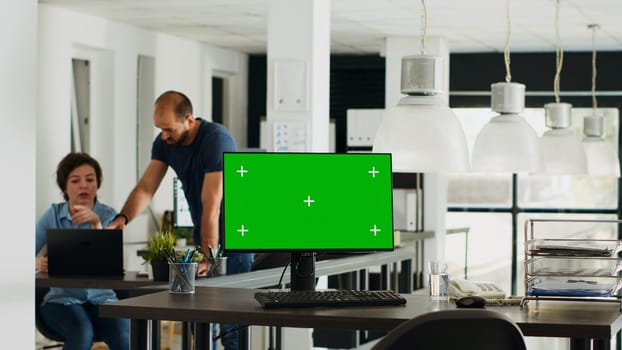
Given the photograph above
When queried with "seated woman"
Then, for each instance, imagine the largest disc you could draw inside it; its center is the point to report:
(73, 312)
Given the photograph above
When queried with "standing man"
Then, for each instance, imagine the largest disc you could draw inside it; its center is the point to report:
(194, 148)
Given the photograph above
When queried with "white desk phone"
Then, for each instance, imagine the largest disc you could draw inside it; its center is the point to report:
(459, 288)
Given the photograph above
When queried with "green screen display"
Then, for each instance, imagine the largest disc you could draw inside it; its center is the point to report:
(307, 202)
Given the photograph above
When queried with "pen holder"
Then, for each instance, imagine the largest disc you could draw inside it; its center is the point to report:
(216, 266)
(182, 277)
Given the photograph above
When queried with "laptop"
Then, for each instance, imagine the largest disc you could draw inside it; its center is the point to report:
(93, 252)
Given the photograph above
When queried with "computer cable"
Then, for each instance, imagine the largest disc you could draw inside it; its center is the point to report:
(222, 334)
(283, 274)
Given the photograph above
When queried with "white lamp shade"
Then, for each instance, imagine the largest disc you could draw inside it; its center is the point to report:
(423, 137)
(602, 159)
(507, 144)
(563, 153)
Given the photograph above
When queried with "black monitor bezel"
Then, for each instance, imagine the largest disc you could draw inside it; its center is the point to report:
(305, 250)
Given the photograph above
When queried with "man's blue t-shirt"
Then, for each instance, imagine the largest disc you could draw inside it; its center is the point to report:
(192, 162)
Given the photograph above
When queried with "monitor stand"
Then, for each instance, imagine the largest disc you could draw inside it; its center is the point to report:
(302, 270)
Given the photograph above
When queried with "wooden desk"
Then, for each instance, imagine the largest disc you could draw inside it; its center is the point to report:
(129, 280)
(591, 321)
(346, 263)
(257, 279)
(355, 262)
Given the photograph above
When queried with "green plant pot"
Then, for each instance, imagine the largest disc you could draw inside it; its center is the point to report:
(160, 270)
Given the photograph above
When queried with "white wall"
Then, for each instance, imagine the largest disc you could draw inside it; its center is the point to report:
(234, 69)
(113, 49)
(18, 91)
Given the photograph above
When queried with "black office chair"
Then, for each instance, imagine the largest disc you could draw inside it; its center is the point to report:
(479, 329)
(41, 326)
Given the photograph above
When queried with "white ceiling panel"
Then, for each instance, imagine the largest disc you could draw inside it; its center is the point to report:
(360, 26)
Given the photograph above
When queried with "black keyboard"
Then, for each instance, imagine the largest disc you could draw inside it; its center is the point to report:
(337, 298)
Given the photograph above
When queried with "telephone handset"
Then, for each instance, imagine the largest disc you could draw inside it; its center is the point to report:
(459, 288)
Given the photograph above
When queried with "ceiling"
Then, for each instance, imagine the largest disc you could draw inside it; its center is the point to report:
(359, 26)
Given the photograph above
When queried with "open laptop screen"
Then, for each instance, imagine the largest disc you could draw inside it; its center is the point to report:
(85, 252)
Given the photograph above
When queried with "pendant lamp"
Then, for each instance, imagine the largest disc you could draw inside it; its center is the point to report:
(561, 148)
(422, 133)
(507, 144)
(602, 159)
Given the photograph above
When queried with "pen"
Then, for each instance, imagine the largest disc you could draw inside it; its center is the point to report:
(170, 257)
(191, 255)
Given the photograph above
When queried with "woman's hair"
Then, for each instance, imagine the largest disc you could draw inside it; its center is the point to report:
(69, 163)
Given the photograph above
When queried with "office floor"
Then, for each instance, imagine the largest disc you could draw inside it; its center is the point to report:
(42, 342)
(175, 344)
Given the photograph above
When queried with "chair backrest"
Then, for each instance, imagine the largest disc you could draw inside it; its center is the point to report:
(479, 329)
(41, 326)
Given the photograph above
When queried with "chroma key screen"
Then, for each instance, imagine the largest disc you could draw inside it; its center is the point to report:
(307, 202)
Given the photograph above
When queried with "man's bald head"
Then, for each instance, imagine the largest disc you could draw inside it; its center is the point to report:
(176, 101)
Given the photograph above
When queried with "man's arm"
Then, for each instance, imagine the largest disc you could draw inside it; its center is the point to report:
(142, 194)
(211, 197)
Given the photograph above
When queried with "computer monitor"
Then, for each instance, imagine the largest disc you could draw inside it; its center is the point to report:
(304, 203)
(181, 210)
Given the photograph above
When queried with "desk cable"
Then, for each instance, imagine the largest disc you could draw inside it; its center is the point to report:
(283, 274)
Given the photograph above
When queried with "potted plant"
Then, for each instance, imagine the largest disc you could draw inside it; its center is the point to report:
(159, 248)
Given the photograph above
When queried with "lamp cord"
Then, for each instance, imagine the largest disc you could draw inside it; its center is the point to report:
(506, 51)
(594, 102)
(424, 25)
(559, 54)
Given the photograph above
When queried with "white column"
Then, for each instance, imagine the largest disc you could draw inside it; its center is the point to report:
(298, 74)
(298, 90)
(435, 185)
(18, 97)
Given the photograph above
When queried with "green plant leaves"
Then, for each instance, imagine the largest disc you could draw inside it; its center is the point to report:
(159, 245)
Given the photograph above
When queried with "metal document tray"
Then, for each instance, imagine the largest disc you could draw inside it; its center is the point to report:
(573, 248)
(575, 266)
(564, 267)
(565, 286)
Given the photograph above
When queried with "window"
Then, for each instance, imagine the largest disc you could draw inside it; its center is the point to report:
(495, 207)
